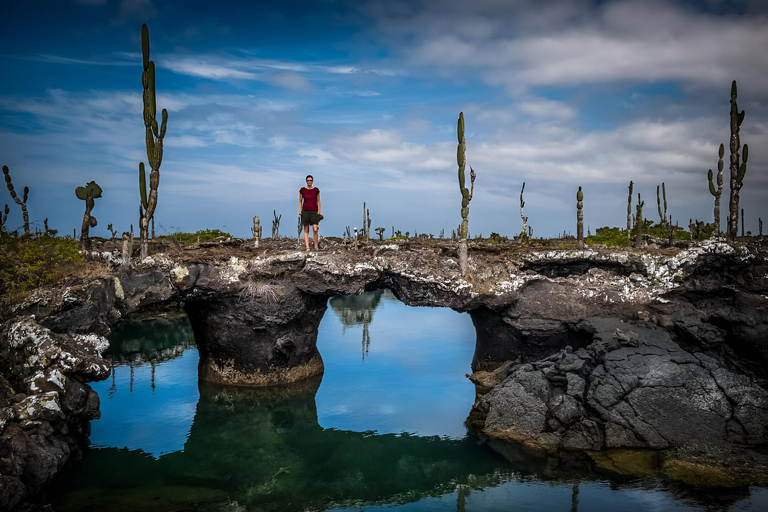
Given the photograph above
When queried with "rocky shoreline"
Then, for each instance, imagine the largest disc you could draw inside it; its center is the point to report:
(606, 349)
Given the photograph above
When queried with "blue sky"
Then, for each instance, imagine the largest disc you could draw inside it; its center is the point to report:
(365, 95)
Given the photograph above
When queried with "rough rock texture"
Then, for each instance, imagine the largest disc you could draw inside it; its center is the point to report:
(632, 387)
(45, 405)
(259, 341)
(255, 314)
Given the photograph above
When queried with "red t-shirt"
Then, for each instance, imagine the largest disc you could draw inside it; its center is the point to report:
(310, 198)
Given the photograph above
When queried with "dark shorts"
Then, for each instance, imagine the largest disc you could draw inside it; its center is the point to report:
(308, 218)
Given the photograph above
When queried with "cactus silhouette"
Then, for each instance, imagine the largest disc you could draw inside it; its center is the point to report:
(639, 222)
(629, 212)
(154, 142)
(88, 193)
(662, 216)
(717, 192)
(737, 169)
(580, 217)
(466, 194)
(20, 202)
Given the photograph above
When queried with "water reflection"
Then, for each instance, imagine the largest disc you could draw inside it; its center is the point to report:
(388, 434)
(265, 450)
(357, 310)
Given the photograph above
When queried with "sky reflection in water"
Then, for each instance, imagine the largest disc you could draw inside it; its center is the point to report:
(384, 431)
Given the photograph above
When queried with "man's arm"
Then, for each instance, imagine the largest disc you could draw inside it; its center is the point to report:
(318, 202)
(301, 201)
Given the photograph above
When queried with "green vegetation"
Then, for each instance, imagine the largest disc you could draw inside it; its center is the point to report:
(203, 235)
(28, 263)
(617, 237)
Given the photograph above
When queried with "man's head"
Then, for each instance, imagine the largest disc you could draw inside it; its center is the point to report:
(310, 179)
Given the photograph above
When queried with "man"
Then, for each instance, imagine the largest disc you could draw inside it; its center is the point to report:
(309, 210)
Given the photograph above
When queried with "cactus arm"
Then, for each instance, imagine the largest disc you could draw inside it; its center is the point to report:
(143, 184)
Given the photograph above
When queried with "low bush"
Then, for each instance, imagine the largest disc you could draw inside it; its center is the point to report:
(29, 263)
(202, 235)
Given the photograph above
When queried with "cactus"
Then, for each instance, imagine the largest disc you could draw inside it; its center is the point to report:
(154, 142)
(466, 195)
(256, 230)
(639, 222)
(629, 212)
(20, 202)
(717, 192)
(662, 216)
(523, 234)
(760, 225)
(87, 193)
(113, 235)
(742, 223)
(737, 169)
(367, 223)
(4, 218)
(380, 232)
(276, 225)
(580, 217)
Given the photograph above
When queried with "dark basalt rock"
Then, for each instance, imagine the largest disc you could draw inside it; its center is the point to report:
(257, 340)
(45, 405)
(694, 372)
(631, 388)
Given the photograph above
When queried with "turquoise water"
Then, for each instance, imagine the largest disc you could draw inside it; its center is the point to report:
(384, 430)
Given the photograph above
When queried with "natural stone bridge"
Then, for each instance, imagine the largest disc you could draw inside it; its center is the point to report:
(255, 316)
(583, 350)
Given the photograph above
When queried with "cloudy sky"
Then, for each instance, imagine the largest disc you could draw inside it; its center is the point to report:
(365, 95)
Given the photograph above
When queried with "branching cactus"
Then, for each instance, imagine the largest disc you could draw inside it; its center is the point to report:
(466, 195)
(639, 222)
(662, 216)
(256, 231)
(525, 219)
(380, 232)
(717, 192)
(88, 193)
(154, 141)
(580, 217)
(276, 225)
(629, 212)
(113, 235)
(20, 202)
(737, 169)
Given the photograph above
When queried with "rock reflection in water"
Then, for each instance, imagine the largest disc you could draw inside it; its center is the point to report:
(265, 450)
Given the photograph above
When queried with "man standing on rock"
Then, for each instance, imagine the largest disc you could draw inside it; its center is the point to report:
(309, 210)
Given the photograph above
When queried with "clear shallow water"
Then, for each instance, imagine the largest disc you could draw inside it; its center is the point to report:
(385, 430)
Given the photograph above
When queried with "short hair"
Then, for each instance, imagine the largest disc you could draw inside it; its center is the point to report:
(309, 176)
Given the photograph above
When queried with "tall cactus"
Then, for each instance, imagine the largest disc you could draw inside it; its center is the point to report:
(523, 234)
(20, 202)
(88, 193)
(629, 212)
(256, 231)
(580, 217)
(276, 225)
(154, 141)
(639, 222)
(737, 169)
(466, 194)
(662, 216)
(717, 192)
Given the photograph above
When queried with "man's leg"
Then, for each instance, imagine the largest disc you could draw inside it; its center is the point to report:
(315, 229)
(306, 236)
